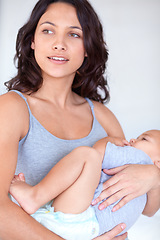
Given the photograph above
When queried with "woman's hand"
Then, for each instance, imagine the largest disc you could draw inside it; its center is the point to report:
(128, 182)
(111, 235)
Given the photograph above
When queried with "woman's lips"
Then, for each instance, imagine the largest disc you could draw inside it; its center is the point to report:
(59, 59)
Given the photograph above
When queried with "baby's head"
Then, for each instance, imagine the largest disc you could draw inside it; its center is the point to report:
(149, 142)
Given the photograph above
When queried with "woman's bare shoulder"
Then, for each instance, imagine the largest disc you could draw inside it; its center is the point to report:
(101, 107)
(11, 102)
(108, 120)
(103, 111)
(14, 112)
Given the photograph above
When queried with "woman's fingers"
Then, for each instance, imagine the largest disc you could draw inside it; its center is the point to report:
(111, 235)
(123, 201)
(122, 237)
(129, 182)
(113, 171)
(114, 198)
(114, 192)
(119, 187)
(112, 195)
(118, 175)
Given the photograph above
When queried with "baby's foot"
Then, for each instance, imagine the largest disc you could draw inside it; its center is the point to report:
(23, 193)
(19, 177)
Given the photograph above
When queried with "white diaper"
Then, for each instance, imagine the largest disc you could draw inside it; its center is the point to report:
(83, 226)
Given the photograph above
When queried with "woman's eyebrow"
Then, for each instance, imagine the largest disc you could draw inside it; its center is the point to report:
(76, 27)
(48, 23)
(72, 27)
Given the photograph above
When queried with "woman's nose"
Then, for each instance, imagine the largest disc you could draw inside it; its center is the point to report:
(59, 45)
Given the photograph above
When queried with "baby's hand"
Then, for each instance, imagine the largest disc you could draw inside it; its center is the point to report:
(126, 143)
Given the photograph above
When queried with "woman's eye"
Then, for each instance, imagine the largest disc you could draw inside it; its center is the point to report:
(144, 139)
(46, 31)
(75, 35)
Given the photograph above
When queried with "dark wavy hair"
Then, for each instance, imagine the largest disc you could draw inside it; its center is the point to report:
(89, 80)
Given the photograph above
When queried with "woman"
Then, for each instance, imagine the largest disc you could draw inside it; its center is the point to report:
(61, 60)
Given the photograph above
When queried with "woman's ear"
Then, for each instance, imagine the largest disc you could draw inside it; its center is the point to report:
(157, 163)
(32, 44)
(85, 54)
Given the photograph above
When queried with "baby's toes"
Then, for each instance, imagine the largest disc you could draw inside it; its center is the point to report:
(15, 179)
(21, 177)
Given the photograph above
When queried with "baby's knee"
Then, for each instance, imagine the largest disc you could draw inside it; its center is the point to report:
(88, 153)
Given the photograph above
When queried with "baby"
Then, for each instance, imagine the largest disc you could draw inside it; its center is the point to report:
(77, 179)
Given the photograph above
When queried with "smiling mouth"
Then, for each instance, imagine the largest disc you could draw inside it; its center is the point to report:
(58, 59)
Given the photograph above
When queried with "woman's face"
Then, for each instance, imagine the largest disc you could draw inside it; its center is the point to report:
(58, 42)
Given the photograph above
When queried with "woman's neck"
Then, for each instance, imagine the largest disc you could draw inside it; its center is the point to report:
(57, 91)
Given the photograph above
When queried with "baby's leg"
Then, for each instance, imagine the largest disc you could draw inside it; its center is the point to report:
(61, 177)
(78, 197)
(100, 146)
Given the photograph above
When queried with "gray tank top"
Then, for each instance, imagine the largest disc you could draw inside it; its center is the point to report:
(39, 150)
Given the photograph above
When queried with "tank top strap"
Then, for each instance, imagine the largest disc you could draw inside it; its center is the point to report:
(22, 96)
(91, 106)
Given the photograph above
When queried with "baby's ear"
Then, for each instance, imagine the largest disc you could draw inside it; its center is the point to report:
(157, 163)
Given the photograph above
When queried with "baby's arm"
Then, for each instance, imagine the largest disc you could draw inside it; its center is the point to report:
(100, 145)
(118, 141)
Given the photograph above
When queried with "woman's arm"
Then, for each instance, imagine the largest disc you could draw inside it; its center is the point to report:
(153, 202)
(153, 196)
(108, 121)
(129, 181)
(15, 224)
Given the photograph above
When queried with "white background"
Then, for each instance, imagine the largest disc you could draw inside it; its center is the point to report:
(132, 33)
